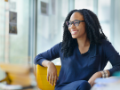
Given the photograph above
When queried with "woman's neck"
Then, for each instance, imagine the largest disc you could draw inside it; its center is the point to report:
(82, 42)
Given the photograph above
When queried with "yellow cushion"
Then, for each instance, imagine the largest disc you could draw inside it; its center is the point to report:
(41, 77)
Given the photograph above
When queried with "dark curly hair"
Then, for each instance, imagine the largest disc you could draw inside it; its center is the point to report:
(93, 30)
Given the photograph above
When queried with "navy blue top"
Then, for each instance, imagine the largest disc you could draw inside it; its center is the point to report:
(82, 66)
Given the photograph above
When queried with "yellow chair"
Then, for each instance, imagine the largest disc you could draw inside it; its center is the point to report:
(41, 77)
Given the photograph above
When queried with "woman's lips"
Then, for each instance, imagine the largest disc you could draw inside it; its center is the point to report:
(73, 32)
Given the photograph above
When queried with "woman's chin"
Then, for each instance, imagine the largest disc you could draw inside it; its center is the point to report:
(74, 37)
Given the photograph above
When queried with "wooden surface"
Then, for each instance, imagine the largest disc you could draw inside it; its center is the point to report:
(14, 68)
(17, 74)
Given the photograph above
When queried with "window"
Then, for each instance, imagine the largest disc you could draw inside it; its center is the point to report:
(84, 4)
(50, 25)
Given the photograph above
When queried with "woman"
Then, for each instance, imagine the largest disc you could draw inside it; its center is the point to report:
(84, 53)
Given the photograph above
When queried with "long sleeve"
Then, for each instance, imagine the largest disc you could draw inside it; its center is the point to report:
(112, 55)
(48, 55)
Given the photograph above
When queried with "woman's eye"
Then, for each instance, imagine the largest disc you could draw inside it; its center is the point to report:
(70, 23)
(76, 22)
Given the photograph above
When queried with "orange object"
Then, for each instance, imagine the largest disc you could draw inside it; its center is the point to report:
(16, 74)
(6, 0)
(41, 77)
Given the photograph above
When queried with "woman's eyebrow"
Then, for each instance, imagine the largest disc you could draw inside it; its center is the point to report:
(74, 20)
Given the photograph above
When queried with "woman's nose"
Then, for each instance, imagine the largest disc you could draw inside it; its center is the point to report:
(72, 26)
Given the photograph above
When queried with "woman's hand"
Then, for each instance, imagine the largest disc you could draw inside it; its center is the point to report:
(94, 76)
(52, 74)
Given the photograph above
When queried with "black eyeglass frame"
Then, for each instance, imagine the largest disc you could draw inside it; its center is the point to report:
(69, 23)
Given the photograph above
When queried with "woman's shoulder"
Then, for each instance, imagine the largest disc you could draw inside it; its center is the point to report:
(105, 42)
(104, 45)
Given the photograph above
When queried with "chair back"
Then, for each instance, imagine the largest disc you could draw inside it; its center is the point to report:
(41, 77)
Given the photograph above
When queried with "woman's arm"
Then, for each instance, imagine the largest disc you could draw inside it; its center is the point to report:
(48, 55)
(51, 72)
(95, 76)
(113, 56)
(44, 59)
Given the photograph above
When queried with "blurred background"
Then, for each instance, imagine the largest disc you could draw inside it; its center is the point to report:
(40, 26)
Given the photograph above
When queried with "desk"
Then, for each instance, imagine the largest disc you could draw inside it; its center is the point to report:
(112, 83)
(7, 87)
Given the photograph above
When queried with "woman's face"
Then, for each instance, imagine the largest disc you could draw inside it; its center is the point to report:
(77, 30)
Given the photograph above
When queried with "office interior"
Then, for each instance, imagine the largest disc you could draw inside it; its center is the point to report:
(39, 26)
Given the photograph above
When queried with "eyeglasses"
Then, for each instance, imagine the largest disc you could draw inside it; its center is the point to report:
(76, 23)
